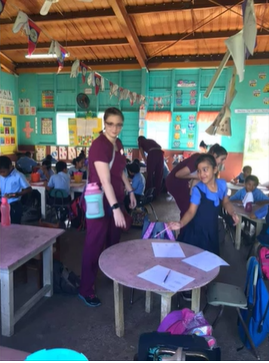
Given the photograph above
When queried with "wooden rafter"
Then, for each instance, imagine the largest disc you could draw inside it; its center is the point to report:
(131, 10)
(143, 39)
(6, 64)
(129, 30)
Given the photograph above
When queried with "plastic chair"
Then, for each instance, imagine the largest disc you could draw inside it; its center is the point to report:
(147, 199)
(221, 294)
(60, 201)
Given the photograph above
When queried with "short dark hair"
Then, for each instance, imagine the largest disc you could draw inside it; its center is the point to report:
(246, 168)
(140, 138)
(46, 163)
(28, 153)
(206, 158)
(77, 160)
(203, 144)
(113, 111)
(5, 162)
(49, 157)
(133, 168)
(218, 150)
(253, 178)
(60, 166)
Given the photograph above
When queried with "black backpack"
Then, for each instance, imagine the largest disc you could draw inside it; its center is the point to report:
(64, 281)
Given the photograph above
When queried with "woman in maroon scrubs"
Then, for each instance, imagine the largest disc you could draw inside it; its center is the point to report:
(177, 182)
(154, 161)
(104, 232)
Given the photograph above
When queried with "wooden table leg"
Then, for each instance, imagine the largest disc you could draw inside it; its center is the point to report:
(165, 305)
(259, 225)
(195, 300)
(148, 304)
(48, 269)
(7, 303)
(119, 311)
(238, 233)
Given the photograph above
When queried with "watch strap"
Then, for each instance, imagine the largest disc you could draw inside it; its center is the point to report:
(115, 206)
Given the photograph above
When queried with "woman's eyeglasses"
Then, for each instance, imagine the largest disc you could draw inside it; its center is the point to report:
(117, 126)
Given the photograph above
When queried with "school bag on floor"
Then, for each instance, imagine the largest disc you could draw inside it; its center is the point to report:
(264, 261)
(156, 230)
(256, 317)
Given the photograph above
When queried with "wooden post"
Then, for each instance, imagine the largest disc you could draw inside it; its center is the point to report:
(148, 305)
(119, 312)
(48, 269)
(165, 305)
(238, 234)
(7, 303)
(195, 300)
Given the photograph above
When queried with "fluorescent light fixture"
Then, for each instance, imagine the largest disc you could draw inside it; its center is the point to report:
(44, 56)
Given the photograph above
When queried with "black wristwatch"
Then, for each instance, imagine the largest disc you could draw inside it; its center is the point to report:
(115, 206)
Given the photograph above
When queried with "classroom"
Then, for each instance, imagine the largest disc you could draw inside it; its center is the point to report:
(134, 180)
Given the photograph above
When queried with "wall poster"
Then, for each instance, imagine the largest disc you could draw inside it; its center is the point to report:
(46, 126)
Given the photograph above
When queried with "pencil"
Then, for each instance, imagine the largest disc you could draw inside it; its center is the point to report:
(168, 273)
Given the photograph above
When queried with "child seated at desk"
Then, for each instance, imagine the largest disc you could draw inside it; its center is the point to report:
(251, 184)
(138, 182)
(13, 185)
(26, 163)
(247, 170)
(78, 166)
(61, 180)
(45, 171)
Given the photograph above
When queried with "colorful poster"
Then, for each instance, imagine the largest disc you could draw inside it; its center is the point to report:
(8, 134)
(82, 131)
(47, 99)
(46, 126)
(40, 151)
(184, 131)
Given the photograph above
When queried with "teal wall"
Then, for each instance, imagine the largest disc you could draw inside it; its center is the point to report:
(153, 84)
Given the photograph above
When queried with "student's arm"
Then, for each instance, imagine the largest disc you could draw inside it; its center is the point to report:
(50, 184)
(130, 190)
(238, 196)
(103, 172)
(24, 191)
(188, 216)
(143, 154)
(227, 205)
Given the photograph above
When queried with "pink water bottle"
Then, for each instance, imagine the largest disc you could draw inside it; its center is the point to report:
(5, 213)
(94, 201)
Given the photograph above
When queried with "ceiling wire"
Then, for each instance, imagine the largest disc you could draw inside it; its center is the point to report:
(189, 32)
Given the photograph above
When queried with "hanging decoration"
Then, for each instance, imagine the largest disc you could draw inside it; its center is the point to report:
(2, 5)
(97, 79)
(75, 69)
(33, 36)
(83, 68)
(56, 48)
(113, 89)
(21, 21)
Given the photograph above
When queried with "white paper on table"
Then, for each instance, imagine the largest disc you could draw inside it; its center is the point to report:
(205, 261)
(167, 250)
(248, 198)
(174, 282)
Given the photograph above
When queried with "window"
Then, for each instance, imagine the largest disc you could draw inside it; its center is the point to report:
(159, 131)
(62, 131)
(204, 136)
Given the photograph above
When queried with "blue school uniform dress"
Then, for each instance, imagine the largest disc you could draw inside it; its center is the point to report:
(202, 230)
(14, 183)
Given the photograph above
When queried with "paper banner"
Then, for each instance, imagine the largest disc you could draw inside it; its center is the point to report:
(75, 69)
(236, 46)
(250, 27)
(33, 36)
(113, 89)
(61, 58)
(97, 79)
(21, 21)
(83, 68)
(2, 5)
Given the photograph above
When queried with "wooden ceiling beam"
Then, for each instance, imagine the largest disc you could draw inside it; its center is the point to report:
(6, 64)
(131, 10)
(128, 29)
(95, 43)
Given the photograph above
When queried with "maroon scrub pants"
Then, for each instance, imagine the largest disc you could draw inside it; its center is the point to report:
(180, 190)
(101, 233)
(155, 171)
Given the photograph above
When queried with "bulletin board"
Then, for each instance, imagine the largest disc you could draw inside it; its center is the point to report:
(82, 131)
(184, 130)
(8, 134)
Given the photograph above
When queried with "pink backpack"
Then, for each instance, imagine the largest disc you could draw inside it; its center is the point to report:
(264, 261)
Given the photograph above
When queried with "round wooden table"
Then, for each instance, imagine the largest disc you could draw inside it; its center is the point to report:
(124, 261)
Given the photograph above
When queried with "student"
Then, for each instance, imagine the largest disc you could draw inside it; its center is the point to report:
(247, 170)
(45, 171)
(203, 147)
(201, 219)
(154, 161)
(51, 159)
(78, 166)
(26, 163)
(61, 180)
(138, 183)
(13, 185)
(251, 183)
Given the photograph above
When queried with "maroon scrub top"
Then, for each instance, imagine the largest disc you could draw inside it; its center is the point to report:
(147, 144)
(102, 150)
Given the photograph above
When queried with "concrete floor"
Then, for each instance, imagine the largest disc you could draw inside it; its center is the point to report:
(65, 321)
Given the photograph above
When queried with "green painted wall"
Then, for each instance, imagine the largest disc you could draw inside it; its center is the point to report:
(152, 84)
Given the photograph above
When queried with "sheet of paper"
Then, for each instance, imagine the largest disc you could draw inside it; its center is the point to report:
(205, 261)
(174, 282)
(167, 250)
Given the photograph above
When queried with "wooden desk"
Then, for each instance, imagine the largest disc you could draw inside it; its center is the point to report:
(124, 261)
(240, 211)
(235, 187)
(18, 245)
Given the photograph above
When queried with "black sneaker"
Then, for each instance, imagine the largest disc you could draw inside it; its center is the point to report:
(186, 295)
(91, 300)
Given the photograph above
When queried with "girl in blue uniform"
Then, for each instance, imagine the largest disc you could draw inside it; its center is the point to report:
(200, 222)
